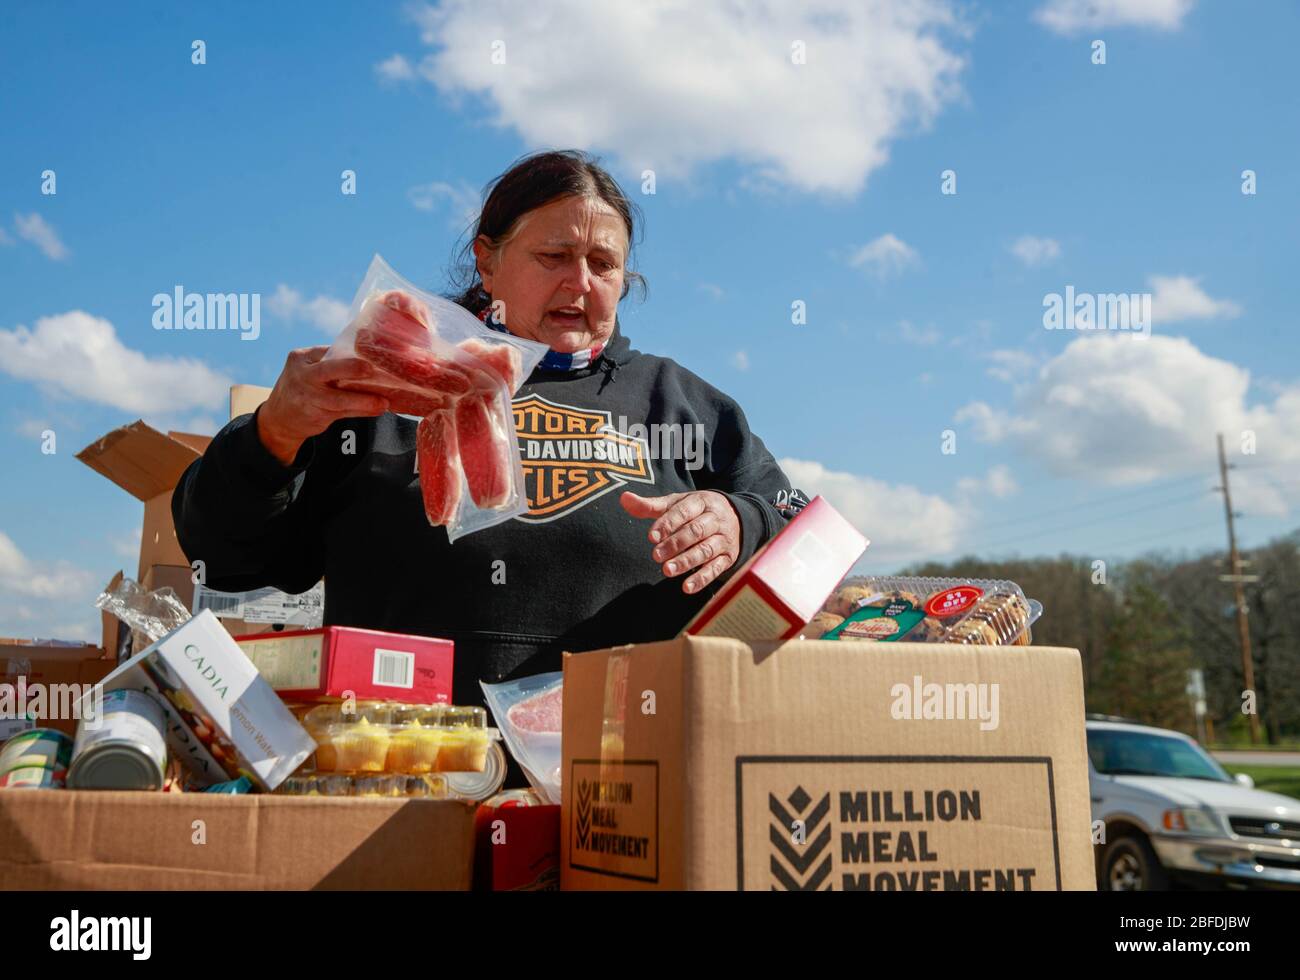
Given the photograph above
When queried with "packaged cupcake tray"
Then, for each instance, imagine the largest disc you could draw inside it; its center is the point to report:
(917, 609)
(432, 786)
(392, 738)
(472, 787)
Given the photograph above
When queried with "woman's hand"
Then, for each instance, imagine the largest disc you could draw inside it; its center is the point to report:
(304, 402)
(695, 530)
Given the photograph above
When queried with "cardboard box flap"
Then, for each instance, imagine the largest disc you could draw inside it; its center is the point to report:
(195, 441)
(139, 459)
(244, 399)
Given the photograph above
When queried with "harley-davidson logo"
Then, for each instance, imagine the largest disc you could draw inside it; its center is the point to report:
(571, 456)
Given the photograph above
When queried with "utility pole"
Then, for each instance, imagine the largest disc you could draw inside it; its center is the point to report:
(1236, 578)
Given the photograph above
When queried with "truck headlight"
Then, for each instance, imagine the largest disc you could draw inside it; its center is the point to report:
(1190, 821)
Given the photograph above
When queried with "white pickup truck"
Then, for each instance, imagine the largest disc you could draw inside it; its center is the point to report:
(1173, 815)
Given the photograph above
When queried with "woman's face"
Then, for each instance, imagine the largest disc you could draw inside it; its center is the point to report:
(567, 255)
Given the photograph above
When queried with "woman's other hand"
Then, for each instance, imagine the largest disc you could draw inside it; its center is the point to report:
(698, 530)
(304, 401)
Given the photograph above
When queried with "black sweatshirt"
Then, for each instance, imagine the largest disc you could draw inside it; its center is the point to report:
(574, 573)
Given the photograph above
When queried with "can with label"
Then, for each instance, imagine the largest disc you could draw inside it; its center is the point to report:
(32, 777)
(126, 750)
(39, 748)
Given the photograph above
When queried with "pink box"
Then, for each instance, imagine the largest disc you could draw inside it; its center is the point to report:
(781, 588)
(331, 663)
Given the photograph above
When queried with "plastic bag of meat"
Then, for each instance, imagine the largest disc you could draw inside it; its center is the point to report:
(454, 377)
(527, 713)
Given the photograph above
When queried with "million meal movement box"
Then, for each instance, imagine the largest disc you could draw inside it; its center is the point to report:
(711, 763)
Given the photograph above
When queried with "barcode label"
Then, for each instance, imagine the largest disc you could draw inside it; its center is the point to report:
(218, 602)
(394, 668)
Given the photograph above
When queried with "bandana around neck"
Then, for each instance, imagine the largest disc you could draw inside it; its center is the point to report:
(552, 360)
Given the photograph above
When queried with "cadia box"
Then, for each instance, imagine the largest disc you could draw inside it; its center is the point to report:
(711, 763)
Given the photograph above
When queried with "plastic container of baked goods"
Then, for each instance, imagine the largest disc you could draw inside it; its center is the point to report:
(409, 739)
(917, 609)
(469, 786)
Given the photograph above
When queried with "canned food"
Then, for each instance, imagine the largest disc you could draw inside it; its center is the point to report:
(478, 786)
(32, 777)
(39, 748)
(127, 750)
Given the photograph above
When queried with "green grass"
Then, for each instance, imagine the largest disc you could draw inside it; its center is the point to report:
(1247, 747)
(1275, 779)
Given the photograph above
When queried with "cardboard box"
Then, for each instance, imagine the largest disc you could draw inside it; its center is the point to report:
(178, 578)
(83, 839)
(244, 399)
(65, 673)
(780, 589)
(223, 719)
(147, 464)
(340, 661)
(803, 765)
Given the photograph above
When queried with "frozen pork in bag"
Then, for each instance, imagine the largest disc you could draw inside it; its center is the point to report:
(437, 362)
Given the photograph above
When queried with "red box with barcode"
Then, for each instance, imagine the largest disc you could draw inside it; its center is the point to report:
(337, 662)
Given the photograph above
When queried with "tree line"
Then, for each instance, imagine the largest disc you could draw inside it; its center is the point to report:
(1141, 625)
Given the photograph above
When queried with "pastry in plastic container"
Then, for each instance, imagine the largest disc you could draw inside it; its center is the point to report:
(468, 786)
(918, 609)
(387, 737)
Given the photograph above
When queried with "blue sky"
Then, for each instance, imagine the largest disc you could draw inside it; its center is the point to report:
(775, 183)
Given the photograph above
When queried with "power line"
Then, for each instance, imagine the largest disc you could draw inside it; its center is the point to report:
(1093, 502)
(1096, 520)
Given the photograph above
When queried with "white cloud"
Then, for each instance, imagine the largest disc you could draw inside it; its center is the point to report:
(920, 336)
(1034, 251)
(1010, 365)
(740, 361)
(201, 425)
(712, 289)
(461, 200)
(1073, 16)
(997, 483)
(395, 69)
(1182, 298)
(671, 86)
(80, 355)
(35, 229)
(323, 312)
(885, 256)
(1115, 411)
(19, 576)
(901, 521)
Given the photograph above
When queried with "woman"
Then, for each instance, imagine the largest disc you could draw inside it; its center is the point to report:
(283, 497)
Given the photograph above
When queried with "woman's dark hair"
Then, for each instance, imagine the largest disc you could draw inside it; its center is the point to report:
(531, 182)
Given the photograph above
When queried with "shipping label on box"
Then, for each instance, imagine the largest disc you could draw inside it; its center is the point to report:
(269, 607)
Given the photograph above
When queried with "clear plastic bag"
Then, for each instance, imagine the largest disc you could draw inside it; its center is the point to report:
(149, 615)
(527, 712)
(437, 362)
